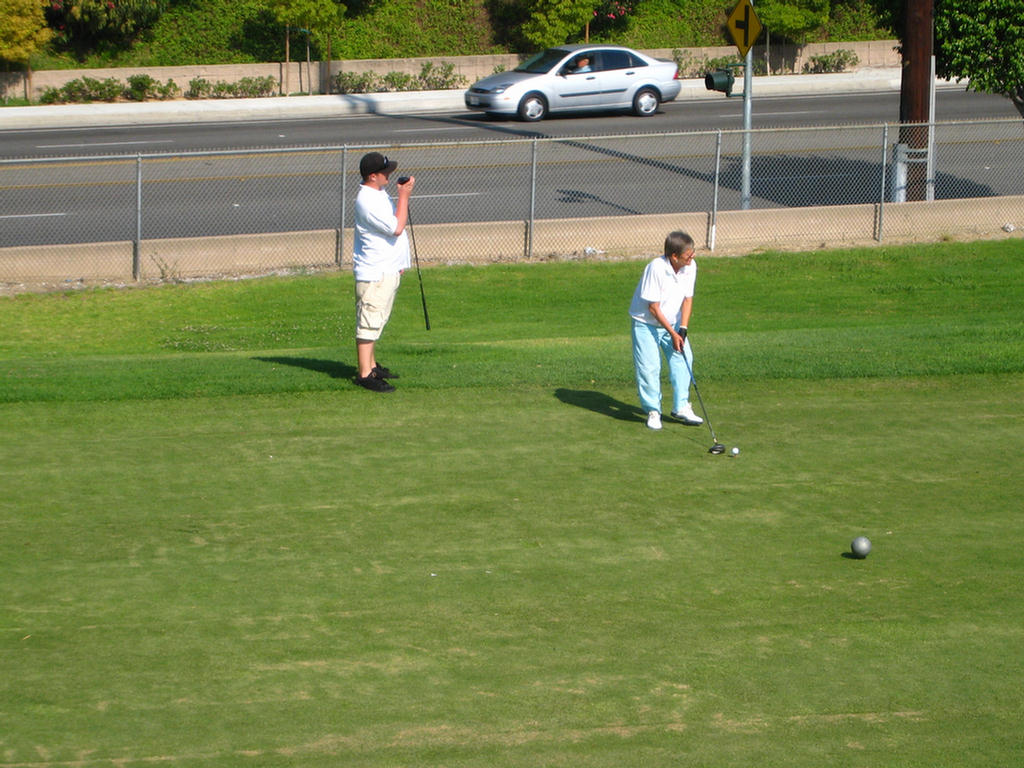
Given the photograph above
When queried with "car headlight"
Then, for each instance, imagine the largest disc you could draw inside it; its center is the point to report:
(501, 88)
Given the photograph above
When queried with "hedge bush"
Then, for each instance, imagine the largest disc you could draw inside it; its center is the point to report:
(246, 88)
(837, 61)
(84, 90)
(432, 77)
(144, 88)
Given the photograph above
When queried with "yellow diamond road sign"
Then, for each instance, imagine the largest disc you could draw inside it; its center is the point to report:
(744, 26)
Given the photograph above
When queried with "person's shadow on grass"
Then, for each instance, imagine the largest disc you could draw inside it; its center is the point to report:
(332, 368)
(598, 402)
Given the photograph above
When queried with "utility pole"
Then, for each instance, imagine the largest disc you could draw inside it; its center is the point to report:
(915, 94)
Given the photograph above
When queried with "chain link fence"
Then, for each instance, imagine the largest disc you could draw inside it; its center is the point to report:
(210, 214)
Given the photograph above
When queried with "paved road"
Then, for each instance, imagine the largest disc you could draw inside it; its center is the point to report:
(93, 200)
(952, 103)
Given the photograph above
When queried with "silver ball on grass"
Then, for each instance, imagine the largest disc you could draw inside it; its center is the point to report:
(861, 547)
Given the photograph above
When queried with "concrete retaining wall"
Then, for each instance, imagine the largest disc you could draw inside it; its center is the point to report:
(191, 257)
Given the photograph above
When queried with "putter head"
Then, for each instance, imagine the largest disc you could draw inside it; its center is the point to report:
(717, 449)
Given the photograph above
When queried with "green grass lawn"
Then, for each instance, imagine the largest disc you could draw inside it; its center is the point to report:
(215, 550)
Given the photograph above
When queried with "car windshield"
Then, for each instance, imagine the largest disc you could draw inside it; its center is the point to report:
(542, 62)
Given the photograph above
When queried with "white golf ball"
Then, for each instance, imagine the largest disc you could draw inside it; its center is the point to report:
(735, 451)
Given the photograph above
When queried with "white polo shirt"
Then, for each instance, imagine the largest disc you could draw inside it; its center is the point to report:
(662, 284)
(377, 250)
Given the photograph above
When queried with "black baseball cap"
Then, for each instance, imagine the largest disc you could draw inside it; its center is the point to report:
(375, 162)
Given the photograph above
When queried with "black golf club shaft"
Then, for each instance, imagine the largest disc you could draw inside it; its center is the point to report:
(700, 399)
(416, 259)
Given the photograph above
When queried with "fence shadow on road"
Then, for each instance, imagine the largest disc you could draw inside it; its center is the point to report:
(579, 196)
(801, 181)
(791, 179)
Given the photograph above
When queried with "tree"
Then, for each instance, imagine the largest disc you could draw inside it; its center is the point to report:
(320, 17)
(23, 30)
(552, 22)
(793, 19)
(317, 17)
(983, 43)
(84, 25)
(607, 16)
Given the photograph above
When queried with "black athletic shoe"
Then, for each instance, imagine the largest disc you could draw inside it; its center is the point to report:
(374, 384)
(384, 373)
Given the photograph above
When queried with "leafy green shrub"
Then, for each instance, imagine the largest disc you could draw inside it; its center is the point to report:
(701, 68)
(431, 78)
(108, 89)
(856, 20)
(247, 87)
(222, 90)
(144, 87)
(254, 87)
(398, 81)
(692, 67)
(404, 28)
(51, 95)
(213, 32)
(668, 23)
(687, 65)
(168, 90)
(84, 90)
(198, 88)
(830, 62)
(140, 87)
(355, 82)
(441, 77)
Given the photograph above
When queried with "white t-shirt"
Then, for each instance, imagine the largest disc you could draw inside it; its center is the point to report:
(377, 250)
(662, 284)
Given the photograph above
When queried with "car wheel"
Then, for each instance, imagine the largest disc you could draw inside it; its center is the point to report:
(532, 108)
(646, 102)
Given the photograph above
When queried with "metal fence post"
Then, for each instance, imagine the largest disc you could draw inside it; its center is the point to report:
(713, 226)
(930, 166)
(533, 200)
(137, 242)
(885, 171)
(899, 170)
(339, 247)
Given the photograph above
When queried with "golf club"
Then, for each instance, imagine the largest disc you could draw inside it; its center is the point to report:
(416, 259)
(717, 448)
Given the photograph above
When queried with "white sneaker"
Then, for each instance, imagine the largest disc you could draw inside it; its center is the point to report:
(687, 416)
(654, 420)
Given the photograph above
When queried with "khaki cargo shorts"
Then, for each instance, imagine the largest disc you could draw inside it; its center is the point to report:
(374, 301)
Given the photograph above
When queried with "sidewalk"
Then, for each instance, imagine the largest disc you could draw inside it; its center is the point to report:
(294, 107)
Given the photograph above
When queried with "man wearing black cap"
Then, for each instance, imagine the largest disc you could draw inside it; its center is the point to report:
(380, 254)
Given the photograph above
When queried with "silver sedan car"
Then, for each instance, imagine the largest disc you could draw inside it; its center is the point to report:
(578, 77)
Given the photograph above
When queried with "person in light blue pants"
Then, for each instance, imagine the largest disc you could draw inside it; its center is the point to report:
(661, 308)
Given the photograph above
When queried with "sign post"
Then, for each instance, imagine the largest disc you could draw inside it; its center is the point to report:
(745, 28)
